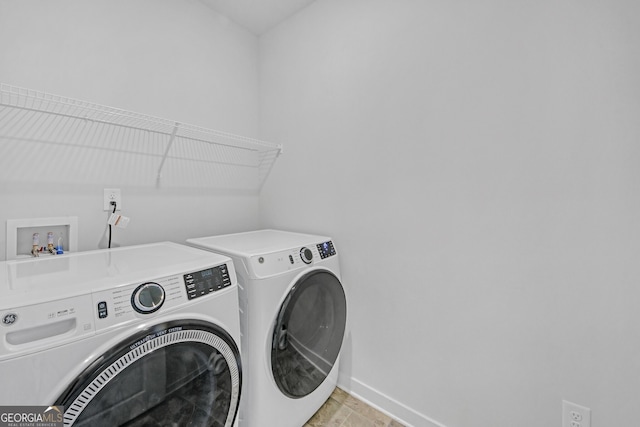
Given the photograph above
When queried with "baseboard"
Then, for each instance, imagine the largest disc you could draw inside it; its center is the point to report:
(387, 405)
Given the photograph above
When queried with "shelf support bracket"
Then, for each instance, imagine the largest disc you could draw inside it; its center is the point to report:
(166, 153)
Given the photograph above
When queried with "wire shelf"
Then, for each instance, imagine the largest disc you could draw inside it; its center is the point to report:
(70, 140)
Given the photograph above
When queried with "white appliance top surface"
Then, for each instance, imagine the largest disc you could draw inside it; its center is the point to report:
(257, 242)
(72, 274)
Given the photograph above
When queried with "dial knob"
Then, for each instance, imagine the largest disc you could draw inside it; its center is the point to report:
(147, 298)
(306, 255)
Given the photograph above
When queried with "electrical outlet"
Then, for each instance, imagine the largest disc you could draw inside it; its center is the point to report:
(112, 195)
(574, 415)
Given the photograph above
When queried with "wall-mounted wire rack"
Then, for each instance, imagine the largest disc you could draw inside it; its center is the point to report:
(58, 139)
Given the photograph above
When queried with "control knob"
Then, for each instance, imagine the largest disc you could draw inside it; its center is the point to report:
(147, 298)
(306, 255)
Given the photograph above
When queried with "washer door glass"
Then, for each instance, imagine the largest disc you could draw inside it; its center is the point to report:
(308, 333)
(173, 374)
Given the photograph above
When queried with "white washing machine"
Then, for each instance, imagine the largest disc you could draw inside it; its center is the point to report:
(293, 314)
(141, 335)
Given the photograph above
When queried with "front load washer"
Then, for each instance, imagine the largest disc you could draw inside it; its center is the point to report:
(293, 314)
(141, 335)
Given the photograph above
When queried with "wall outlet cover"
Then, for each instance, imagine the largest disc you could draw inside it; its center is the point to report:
(574, 415)
(112, 195)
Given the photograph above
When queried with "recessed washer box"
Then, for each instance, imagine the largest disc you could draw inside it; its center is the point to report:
(20, 234)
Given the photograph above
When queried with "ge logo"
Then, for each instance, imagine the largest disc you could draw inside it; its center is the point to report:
(9, 319)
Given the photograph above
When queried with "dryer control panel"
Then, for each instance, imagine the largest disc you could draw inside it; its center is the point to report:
(274, 263)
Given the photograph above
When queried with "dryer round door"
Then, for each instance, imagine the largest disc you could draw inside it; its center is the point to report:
(183, 372)
(308, 333)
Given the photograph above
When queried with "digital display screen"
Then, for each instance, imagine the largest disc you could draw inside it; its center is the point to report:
(207, 279)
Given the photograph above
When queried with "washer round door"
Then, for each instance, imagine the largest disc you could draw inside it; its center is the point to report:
(308, 333)
(184, 372)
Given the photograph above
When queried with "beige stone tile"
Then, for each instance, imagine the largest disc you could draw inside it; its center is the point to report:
(357, 420)
(354, 403)
(367, 411)
(344, 410)
(339, 395)
(379, 419)
(331, 414)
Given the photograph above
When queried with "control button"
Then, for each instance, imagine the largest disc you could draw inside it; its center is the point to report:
(102, 310)
(306, 255)
(147, 298)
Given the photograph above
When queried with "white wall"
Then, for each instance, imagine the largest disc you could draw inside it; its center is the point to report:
(477, 164)
(175, 59)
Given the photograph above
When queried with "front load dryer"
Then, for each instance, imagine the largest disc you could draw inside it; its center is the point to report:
(137, 336)
(293, 314)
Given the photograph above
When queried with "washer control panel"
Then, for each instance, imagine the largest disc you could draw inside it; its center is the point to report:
(113, 307)
(207, 281)
(124, 303)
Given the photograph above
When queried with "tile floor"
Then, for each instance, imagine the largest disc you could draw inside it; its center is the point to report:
(344, 410)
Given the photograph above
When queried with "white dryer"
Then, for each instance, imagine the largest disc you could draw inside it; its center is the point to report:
(141, 335)
(293, 314)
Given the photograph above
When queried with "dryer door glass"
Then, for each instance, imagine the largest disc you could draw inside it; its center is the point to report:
(173, 374)
(308, 333)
